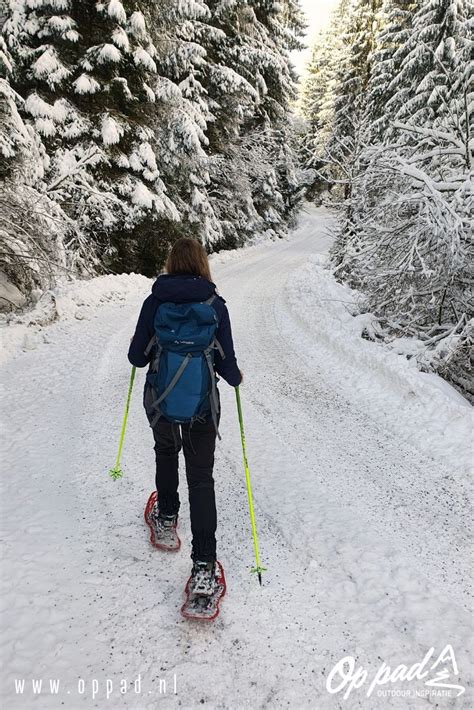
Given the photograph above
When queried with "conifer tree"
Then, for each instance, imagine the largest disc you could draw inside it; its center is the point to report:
(160, 120)
(250, 84)
(33, 229)
(88, 74)
(396, 21)
(352, 81)
(181, 31)
(406, 242)
(436, 49)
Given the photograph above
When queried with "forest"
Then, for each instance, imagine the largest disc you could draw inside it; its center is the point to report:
(126, 124)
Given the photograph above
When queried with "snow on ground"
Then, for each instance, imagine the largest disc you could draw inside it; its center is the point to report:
(436, 418)
(362, 528)
(77, 300)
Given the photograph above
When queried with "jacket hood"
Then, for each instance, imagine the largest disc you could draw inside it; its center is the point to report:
(182, 288)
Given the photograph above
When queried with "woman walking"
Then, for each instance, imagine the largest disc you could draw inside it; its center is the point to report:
(184, 335)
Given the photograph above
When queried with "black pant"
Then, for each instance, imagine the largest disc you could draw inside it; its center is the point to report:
(199, 442)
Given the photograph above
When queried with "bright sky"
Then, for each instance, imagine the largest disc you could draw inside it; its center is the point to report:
(317, 13)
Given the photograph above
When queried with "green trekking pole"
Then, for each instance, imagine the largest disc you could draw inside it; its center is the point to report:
(116, 471)
(258, 569)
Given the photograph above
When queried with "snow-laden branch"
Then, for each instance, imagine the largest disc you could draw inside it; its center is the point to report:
(410, 170)
(78, 167)
(431, 133)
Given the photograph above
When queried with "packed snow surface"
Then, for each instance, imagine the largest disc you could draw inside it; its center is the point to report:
(358, 464)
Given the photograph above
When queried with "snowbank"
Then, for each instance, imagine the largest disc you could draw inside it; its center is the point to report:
(422, 407)
(78, 300)
(75, 300)
(226, 255)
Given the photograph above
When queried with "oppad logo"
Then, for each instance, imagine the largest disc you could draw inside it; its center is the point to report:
(345, 676)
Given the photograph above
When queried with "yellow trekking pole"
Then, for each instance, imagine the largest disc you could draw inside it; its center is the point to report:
(116, 471)
(258, 569)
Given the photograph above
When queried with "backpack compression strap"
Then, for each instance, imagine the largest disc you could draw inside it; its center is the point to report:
(172, 384)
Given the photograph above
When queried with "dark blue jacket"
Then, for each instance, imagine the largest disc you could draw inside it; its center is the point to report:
(170, 288)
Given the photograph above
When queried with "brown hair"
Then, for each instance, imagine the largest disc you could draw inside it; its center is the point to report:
(188, 256)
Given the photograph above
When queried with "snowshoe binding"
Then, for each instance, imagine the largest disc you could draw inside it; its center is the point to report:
(163, 533)
(204, 590)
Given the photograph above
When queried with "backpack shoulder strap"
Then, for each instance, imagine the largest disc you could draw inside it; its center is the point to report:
(216, 344)
(153, 339)
(150, 345)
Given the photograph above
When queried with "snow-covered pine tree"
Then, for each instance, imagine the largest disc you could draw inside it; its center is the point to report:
(340, 132)
(250, 84)
(352, 81)
(234, 85)
(437, 43)
(292, 179)
(396, 22)
(278, 29)
(411, 247)
(285, 25)
(12, 132)
(318, 96)
(335, 93)
(316, 92)
(150, 114)
(87, 72)
(181, 32)
(33, 254)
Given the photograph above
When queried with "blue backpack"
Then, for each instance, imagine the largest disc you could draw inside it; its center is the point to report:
(182, 376)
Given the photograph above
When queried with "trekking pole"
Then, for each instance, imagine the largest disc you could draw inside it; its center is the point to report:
(116, 471)
(258, 569)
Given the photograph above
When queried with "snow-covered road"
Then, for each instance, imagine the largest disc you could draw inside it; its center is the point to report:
(364, 537)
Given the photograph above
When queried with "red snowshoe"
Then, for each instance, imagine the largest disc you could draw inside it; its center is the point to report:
(204, 607)
(163, 534)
